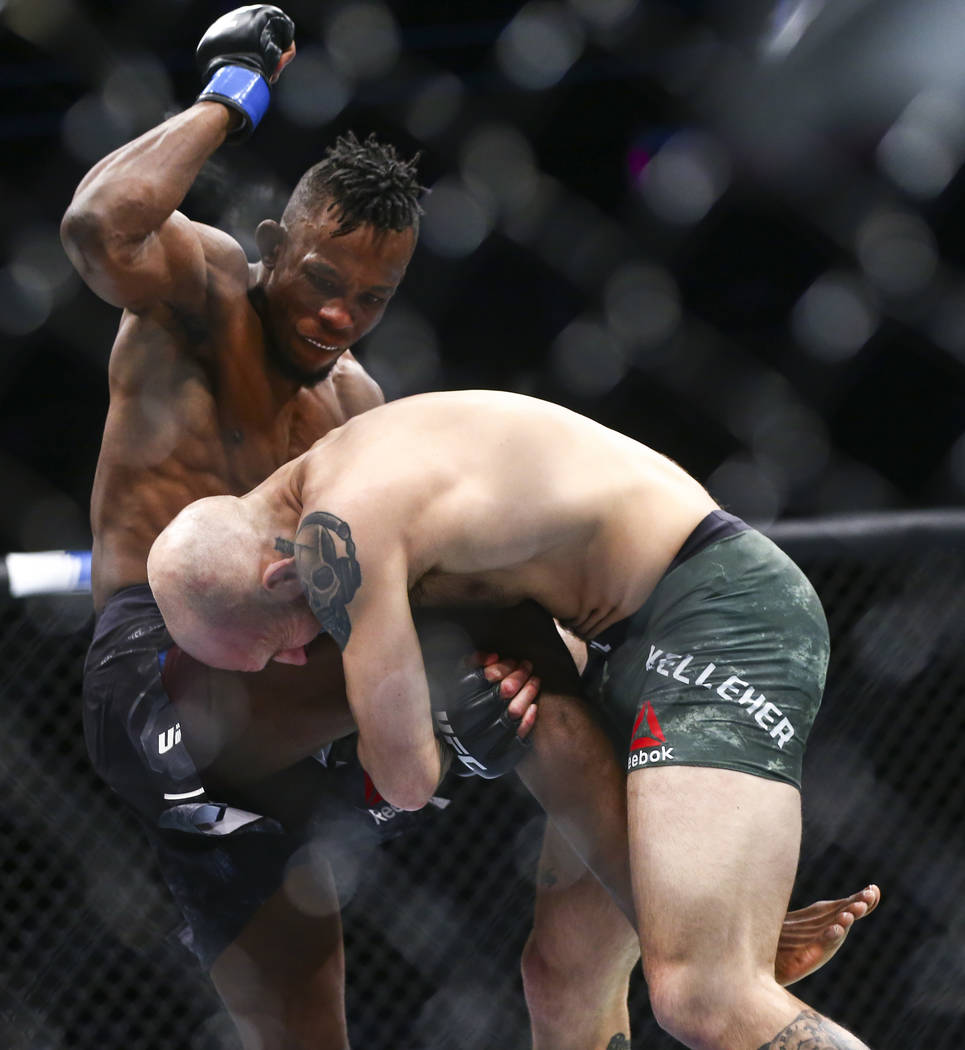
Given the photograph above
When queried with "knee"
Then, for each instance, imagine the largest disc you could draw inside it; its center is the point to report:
(696, 1005)
(561, 974)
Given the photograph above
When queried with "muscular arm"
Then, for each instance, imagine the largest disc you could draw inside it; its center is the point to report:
(122, 230)
(363, 602)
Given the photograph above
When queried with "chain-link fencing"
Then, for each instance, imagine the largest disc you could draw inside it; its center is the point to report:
(435, 921)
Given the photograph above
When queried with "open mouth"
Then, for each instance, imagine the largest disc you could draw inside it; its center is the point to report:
(321, 346)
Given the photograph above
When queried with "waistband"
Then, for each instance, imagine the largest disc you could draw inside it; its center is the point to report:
(717, 525)
(131, 608)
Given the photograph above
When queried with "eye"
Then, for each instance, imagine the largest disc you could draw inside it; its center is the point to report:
(323, 284)
(374, 300)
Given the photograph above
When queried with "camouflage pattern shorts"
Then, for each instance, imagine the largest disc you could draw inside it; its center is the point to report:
(723, 666)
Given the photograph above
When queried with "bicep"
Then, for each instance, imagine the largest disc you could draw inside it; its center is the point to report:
(167, 265)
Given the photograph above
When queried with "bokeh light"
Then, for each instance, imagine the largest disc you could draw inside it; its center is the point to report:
(586, 359)
(363, 39)
(540, 45)
(313, 91)
(834, 318)
(457, 219)
(686, 177)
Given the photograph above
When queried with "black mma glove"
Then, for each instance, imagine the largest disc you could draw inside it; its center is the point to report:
(237, 57)
(479, 729)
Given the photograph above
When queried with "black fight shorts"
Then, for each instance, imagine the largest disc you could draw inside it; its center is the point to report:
(220, 857)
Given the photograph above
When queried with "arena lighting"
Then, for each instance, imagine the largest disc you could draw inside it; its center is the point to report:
(500, 157)
(686, 178)
(313, 91)
(457, 218)
(402, 353)
(92, 128)
(434, 105)
(835, 317)
(586, 360)
(25, 300)
(605, 14)
(540, 45)
(789, 22)
(750, 487)
(925, 146)
(363, 39)
(642, 304)
(898, 252)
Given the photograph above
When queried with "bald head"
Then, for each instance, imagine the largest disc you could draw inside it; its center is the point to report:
(205, 572)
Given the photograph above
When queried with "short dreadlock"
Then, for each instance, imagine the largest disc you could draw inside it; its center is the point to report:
(366, 183)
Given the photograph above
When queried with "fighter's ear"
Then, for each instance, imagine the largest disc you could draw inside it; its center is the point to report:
(281, 579)
(269, 237)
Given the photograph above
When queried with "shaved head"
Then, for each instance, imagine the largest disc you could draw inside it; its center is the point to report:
(205, 572)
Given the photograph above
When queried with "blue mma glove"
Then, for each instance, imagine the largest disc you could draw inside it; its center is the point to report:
(478, 727)
(237, 57)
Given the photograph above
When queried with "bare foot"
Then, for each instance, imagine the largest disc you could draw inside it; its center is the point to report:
(811, 935)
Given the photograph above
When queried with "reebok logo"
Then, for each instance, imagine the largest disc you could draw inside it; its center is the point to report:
(653, 734)
(643, 757)
(372, 796)
(384, 813)
(648, 744)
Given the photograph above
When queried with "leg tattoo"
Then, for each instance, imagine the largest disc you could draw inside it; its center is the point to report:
(811, 1031)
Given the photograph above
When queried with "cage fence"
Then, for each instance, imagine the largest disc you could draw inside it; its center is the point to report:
(435, 920)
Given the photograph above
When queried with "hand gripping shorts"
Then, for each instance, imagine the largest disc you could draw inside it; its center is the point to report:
(725, 663)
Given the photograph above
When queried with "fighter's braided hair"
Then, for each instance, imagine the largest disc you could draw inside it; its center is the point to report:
(367, 183)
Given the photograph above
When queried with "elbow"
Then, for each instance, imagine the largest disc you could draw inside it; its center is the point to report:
(83, 235)
(407, 786)
(405, 777)
(79, 228)
(407, 793)
(104, 261)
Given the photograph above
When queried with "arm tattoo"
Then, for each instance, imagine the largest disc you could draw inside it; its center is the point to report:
(329, 571)
(284, 546)
(811, 1031)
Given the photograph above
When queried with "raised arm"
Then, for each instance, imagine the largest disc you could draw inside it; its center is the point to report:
(361, 598)
(122, 230)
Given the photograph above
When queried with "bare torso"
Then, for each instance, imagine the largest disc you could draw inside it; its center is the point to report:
(195, 410)
(498, 497)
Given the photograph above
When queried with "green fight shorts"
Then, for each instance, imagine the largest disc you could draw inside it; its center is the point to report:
(724, 665)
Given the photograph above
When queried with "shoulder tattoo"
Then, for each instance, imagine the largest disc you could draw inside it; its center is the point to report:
(329, 571)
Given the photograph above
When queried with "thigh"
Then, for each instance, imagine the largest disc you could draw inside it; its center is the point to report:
(713, 856)
(576, 922)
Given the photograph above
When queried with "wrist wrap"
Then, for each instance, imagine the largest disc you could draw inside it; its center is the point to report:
(242, 90)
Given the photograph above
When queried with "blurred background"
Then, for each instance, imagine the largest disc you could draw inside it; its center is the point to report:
(733, 230)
